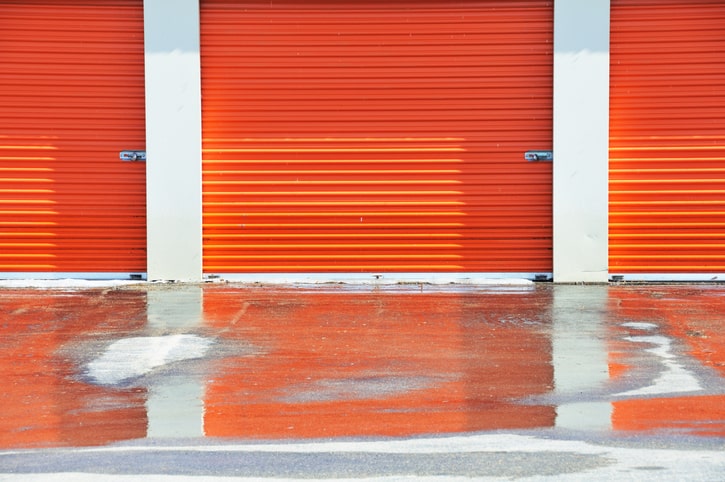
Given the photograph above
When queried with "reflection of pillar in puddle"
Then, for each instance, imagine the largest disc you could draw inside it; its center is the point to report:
(580, 356)
(174, 405)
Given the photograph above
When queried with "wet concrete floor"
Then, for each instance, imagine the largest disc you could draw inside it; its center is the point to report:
(93, 367)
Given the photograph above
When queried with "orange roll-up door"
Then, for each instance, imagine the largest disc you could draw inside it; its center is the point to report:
(71, 98)
(358, 136)
(667, 137)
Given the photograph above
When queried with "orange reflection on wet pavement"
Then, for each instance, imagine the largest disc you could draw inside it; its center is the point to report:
(44, 403)
(342, 364)
(692, 315)
(692, 415)
(340, 361)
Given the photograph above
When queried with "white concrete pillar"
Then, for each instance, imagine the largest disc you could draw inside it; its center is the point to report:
(581, 140)
(173, 139)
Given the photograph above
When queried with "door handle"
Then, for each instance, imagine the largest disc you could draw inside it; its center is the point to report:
(536, 156)
(132, 155)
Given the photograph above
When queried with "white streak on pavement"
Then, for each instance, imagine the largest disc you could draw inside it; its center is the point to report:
(620, 462)
(674, 379)
(134, 357)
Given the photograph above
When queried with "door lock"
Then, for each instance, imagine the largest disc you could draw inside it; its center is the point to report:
(132, 155)
(535, 156)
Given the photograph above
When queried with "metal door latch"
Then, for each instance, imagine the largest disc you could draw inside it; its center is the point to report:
(535, 156)
(132, 155)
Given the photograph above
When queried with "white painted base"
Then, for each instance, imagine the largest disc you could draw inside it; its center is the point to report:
(68, 280)
(664, 277)
(384, 278)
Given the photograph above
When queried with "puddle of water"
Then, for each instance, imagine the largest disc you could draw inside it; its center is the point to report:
(351, 363)
(673, 379)
(130, 358)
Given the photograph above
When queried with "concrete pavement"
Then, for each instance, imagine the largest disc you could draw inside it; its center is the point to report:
(337, 381)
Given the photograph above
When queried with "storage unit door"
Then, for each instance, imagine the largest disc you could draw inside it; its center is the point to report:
(667, 137)
(376, 136)
(71, 98)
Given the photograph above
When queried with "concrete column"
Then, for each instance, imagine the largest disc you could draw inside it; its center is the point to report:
(173, 139)
(581, 140)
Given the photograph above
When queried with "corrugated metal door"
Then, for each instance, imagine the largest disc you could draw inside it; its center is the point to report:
(667, 137)
(71, 98)
(366, 136)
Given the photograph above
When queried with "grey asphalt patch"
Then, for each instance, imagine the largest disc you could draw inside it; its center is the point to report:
(307, 466)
